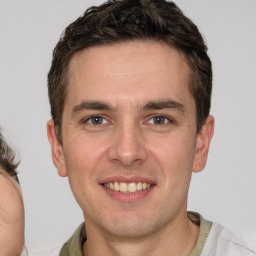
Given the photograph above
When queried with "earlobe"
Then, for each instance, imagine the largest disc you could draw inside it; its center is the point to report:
(56, 149)
(203, 144)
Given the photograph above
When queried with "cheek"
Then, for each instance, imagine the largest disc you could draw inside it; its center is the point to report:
(83, 156)
(174, 154)
(11, 216)
(82, 153)
(11, 213)
(11, 203)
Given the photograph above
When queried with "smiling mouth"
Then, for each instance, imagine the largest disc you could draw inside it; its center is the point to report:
(124, 187)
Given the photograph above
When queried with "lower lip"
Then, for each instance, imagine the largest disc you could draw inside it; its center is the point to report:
(128, 197)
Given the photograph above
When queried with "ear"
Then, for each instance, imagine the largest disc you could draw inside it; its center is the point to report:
(203, 144)
(57, 151)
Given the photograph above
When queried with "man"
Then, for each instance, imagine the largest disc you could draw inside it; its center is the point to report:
(130, 91)
(11, 204)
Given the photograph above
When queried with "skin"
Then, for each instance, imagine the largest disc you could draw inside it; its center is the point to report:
(129, 143)
(11, 216)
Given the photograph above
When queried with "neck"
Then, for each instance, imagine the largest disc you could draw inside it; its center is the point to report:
(178, 238)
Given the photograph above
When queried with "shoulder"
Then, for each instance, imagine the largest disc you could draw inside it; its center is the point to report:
(221, 242)
(74, 245)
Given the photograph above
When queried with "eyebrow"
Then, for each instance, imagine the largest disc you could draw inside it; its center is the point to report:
(166, 104)
(91, 105)
(151, 105)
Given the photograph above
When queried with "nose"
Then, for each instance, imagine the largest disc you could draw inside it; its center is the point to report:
(127, 147)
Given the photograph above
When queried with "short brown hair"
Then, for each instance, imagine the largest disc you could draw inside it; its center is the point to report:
(124, 20)
(7, 158)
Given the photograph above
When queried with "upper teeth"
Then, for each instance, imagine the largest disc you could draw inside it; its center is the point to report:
(127, 187)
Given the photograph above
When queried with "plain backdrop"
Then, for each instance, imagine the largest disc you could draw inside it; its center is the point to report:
(224, 192)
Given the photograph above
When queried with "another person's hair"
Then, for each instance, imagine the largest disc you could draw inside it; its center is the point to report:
(7, 158)
(119, 21)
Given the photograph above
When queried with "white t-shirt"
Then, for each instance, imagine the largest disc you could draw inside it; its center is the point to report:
(221, 242)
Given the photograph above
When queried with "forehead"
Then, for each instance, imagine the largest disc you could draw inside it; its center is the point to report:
(128, 69)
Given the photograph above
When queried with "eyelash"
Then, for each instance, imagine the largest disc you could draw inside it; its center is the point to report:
(89, 120)
(168, 119)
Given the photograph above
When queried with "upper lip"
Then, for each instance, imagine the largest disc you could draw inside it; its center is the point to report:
(131, 179)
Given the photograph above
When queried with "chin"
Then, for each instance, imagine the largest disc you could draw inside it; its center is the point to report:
(130, 227)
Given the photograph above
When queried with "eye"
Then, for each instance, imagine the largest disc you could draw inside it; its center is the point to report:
(158, 120)
(96, 120)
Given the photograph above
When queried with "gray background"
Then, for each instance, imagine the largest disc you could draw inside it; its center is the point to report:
(224, 192)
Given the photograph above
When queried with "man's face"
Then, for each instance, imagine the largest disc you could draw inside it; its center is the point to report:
(129, 124)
